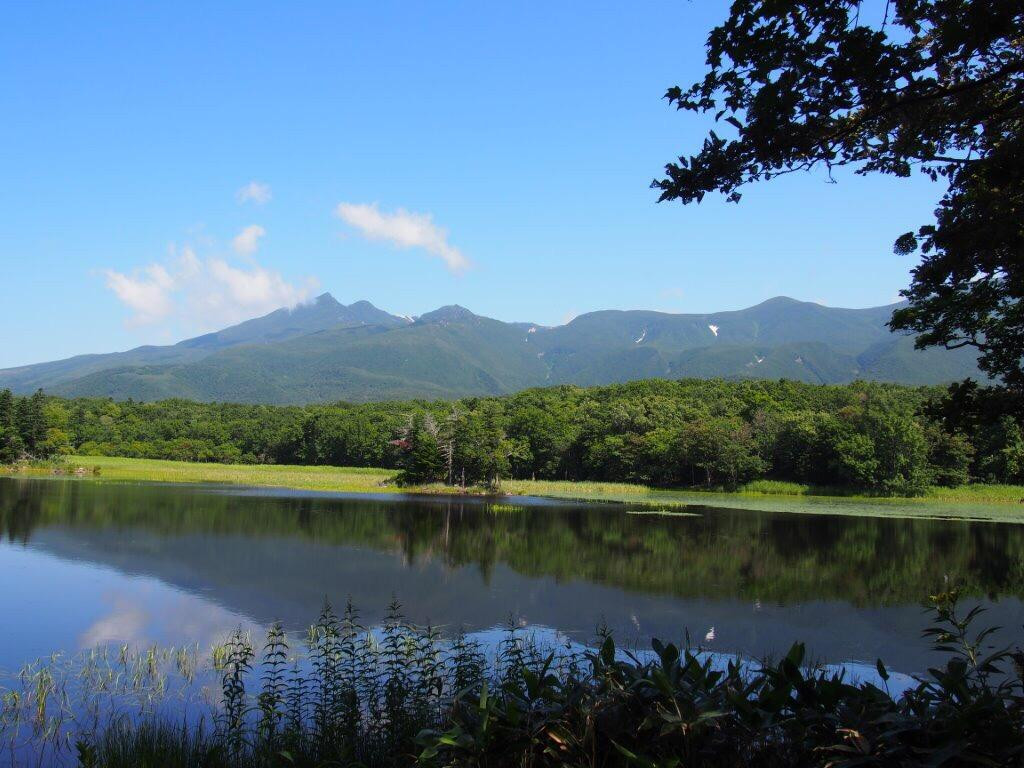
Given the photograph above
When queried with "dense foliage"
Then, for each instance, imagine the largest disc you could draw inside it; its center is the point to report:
(933, 86)
(693, 432)
(405, 698)
(29, 427)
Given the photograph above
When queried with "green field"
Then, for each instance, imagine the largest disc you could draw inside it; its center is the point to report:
(1001, 503)
(308, 478)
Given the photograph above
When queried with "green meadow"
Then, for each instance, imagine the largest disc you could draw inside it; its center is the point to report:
(998, 503)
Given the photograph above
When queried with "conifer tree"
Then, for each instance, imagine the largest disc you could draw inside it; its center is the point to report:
(6, 410)
(31, 422)
(424, 462)
(10, 442)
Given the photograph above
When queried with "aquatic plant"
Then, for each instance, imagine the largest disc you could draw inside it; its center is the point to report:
(401, 695)
(48, 704)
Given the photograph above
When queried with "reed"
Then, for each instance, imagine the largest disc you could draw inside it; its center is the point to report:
(401, 695)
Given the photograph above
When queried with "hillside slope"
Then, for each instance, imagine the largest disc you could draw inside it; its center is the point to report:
(328, 351)
(282, 324)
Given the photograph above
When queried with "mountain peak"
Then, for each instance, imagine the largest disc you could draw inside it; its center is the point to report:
(779, 301)
(367, 314)
(326, 299)
(451, 313)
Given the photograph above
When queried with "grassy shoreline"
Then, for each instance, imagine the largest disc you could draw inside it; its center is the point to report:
(405, 696)
(1002, 503)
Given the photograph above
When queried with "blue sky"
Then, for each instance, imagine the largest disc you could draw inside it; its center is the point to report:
(494, 156)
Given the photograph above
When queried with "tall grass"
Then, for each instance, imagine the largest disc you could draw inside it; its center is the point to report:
(316, 478)
(49, 703)
(399, 695)
(349, 696)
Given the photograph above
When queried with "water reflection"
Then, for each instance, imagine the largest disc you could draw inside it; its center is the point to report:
(85, 563)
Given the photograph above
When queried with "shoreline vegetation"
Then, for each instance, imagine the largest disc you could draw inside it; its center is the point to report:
(406, 695)
(864, 448)
(995, 503)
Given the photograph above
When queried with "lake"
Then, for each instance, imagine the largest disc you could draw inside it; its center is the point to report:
(84, 563)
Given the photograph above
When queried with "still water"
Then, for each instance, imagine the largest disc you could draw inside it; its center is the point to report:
(85, 564)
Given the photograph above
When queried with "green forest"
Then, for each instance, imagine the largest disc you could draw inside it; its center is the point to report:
(698, 433)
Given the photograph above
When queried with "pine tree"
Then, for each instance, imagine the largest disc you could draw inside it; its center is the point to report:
(10, 443)
(78, 425)
(424, 462)
(31, 422)
(6, 410)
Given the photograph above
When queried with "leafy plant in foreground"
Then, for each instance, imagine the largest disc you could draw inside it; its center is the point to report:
(402, 697)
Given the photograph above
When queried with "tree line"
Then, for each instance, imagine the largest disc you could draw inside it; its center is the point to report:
(710, 433)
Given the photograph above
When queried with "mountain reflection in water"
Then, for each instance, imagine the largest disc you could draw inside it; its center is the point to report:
(85, 563)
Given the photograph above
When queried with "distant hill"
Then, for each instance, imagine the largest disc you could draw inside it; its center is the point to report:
(325, 351)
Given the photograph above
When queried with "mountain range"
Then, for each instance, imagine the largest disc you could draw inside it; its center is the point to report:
(327, 351)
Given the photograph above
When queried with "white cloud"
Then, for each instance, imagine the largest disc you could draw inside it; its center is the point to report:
(403, 229)
(191, 293)
(256, 192)
(248, 240)
(189, 265)
(146, 292)
(254, 287)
